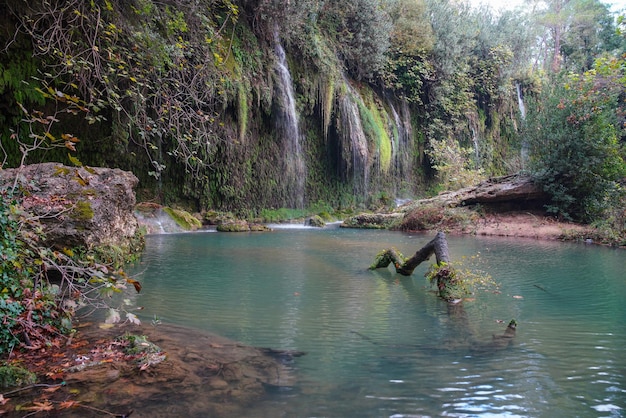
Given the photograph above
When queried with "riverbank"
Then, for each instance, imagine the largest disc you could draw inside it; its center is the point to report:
(95, 375)
(526, 225)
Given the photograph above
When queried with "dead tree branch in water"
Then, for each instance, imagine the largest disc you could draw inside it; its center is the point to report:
(437, 246)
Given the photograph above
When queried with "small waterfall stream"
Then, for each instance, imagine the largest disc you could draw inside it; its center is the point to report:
(402, 142)
(295, 168)
(354, 141)
(522, 110)
(520, 100)
(476, 144)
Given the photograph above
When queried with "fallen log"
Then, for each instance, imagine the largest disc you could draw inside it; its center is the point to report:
(449, 285)
(437, 246)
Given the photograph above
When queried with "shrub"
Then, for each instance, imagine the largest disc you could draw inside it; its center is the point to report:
(575, 153)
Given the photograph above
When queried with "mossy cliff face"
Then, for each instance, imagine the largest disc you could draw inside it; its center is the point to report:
(79, 207)
(236, 106)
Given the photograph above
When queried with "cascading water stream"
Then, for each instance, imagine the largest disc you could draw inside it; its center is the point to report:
(354, 140)
(397, 139)
(295, 168)
(402, 143)
(520, 100)
(476, 144)
(522, 110)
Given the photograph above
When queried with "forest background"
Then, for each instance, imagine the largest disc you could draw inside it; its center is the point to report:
(250, 105)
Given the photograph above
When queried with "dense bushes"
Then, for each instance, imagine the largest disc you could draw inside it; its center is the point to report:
(573, 131)
(41, 288)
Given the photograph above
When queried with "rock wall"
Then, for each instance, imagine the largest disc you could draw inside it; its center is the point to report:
(78, 206)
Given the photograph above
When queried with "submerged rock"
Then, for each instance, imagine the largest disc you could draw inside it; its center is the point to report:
(203, 375)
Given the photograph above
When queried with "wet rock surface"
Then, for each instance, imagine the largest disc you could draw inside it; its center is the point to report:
(203, 375)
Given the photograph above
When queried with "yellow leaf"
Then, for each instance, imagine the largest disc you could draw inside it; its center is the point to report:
(74, 160)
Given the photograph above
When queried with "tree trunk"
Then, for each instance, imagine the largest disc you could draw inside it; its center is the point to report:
(437, 246)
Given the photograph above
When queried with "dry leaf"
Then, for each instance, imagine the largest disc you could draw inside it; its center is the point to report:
(67, 404)
(39, 407)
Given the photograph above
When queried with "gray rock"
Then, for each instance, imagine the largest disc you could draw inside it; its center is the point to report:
(78, 206)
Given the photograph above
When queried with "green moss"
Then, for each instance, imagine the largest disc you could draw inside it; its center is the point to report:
(384, 142)
(242, 110)
(138, 344)
(234, 226)
(374, 128)
(183, 218)
(327, 99)
(146, 353)
(82, 211)
(12, 375)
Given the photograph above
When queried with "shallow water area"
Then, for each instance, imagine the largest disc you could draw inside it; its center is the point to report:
(379, 344)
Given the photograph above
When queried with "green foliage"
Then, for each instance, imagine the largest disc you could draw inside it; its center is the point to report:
(454, 281)
(12, 375)
(453, 164)
(573, 133)
(40, 288)
(408, 64)
(282, 214)
(360, 31)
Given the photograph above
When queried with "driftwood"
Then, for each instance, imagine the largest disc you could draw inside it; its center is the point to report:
(437, 246)
(450, 285)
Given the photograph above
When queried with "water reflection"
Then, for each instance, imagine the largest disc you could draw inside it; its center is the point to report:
(379, 344)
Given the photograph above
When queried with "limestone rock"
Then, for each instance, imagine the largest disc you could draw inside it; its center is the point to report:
(78, 206)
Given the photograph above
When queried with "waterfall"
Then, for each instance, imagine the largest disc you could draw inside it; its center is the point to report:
(520, 101)
(397, 139)
(402, 142)
(354, 141)
(287, 120)
(522, 110)
(476, 145)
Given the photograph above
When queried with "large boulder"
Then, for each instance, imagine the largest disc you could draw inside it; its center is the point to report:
(78, 206)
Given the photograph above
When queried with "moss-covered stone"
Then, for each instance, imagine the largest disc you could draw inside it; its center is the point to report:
(315, 221)
(234, 226)
(12, 375)
(82, 211)
(183, 218)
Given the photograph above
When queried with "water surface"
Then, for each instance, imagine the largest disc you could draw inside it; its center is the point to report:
(382, 345)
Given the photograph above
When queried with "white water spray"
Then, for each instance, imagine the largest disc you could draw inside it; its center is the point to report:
(295, 168)
(522, 110)
(354, 140)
